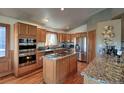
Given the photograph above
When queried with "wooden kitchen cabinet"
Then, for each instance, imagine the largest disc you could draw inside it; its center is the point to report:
(63, 37)
(25, 30)
(22, 29)
(60, 37)
(67, 37)
(73, 64)
(57, 70)
(32, 30)
(41, 35)
(91, 45)
(62, 69)
(39, 59)
(72, 36)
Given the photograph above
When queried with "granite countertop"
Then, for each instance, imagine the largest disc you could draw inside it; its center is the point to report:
(105, 70)
(56, 56)
(48, 50)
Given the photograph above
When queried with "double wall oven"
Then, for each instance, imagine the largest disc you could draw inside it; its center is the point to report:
(27, 51)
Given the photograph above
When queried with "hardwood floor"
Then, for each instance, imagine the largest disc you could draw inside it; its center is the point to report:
(36, 77)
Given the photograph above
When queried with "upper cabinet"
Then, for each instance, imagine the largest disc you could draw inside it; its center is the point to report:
(25, 30)
(41, 35)
(32, 30)
(22, 29)
(60, 37)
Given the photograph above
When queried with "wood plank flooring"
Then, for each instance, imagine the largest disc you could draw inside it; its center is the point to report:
(36, 77)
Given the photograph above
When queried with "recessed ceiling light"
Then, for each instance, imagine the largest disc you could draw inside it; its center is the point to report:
(62, 9)
(45, 19)
(67, 27)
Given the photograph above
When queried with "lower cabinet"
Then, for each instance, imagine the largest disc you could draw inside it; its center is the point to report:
(62, 69)
(39, 59)
(57, 70)
(73, 64)
(26, 69)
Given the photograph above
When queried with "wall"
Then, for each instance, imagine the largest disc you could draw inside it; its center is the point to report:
(12, 21)
(116, 29)
(82, 28)
(104, 15)
(101, 16)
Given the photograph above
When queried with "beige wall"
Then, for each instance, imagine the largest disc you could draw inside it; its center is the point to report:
(116, 29)
(82, 28)
(12, 21)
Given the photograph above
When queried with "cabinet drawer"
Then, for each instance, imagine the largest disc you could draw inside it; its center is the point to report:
(27, 69)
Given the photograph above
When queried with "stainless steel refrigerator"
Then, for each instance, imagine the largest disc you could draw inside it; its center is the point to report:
(81, 48)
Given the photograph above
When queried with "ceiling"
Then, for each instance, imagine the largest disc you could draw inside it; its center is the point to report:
(61, 20)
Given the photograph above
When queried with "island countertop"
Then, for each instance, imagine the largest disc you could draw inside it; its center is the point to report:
(56, 56)
(103, 70)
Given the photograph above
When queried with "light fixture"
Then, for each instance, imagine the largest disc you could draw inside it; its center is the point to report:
(67, 27)
(45, 19)
(62, 9)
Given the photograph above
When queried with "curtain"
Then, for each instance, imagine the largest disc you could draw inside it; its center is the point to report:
(51, 39)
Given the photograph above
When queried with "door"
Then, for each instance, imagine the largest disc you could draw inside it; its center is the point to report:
(5, 64)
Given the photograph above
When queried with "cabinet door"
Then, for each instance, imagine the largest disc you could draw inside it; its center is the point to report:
(43, 35)
(91, 45)
(69, 38)
(39, 35)
(62, 69)
(60, 37)
(65, 66)
(32, 30)
(72, 37)
(39, 59)
(59, 70)
(22, 29)
(73, 64)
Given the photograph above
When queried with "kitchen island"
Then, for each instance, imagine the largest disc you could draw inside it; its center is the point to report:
(58, 66)
(104, 70)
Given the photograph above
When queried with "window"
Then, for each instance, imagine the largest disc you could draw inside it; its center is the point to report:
(51, 39)
(4, 40)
